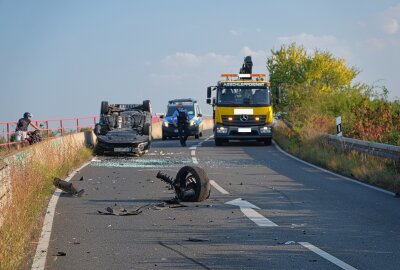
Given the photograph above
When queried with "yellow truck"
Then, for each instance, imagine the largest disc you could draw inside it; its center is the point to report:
(242, 107)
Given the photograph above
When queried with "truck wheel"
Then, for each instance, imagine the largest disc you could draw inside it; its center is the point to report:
(104, 107)
(218, 142)
(194, 184)
(147, 106)
(268, 141)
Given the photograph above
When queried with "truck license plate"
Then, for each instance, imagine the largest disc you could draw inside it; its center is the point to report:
(244, 130)
(122, 149)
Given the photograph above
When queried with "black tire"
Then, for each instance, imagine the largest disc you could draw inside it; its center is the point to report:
(97, 129)
(147, 129)
(164, 137)
(104, 107)
(219, 142)
(197, 136)
(201, 134)
(147, 106)
(268, 141)
(196, 179)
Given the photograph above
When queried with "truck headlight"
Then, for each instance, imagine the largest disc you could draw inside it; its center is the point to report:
(265, 130)
(222, 130)
(166, 123)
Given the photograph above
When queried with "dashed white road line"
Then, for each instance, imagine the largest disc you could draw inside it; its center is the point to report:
(39, 260)
(248, 210)
(194, 160)
(327, 256)
(218, 187)
(193, 152)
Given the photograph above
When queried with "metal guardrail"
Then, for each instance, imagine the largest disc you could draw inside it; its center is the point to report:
(48, 127)
(372, 148)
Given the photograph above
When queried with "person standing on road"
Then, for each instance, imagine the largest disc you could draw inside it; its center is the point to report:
(182, 120)
(21, 130)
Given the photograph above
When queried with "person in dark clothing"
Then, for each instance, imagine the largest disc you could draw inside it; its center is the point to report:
(182, 120)
(22, 128)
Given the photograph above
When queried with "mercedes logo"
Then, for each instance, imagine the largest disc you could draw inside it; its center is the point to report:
(244, 118)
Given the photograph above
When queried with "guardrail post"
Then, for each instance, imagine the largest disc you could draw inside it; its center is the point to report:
(47, 129)
(62, 127)
(8, 135)
(77, 125)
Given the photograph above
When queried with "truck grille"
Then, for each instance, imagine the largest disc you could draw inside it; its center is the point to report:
(239, 120)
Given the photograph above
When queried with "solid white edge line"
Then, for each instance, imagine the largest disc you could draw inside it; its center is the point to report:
(39, 261)
(332, 173)
(327, 256)
(218, 187)
(257, 218)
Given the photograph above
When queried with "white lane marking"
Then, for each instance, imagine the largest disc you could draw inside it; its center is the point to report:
(332, 173)
(193, 152)
(39, 260)
(327, 256)
(248, 210)
(257, 218)
(195, 161)
(218, 187)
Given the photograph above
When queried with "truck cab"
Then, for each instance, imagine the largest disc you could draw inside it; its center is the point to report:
(242, 108)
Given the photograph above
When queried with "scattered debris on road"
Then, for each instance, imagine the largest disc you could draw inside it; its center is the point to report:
(121, 211)
(191, 184)
(60, 254)
(67, 187)
(195, 239)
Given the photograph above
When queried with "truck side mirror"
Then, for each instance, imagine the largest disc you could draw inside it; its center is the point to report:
(208, 93)
(208, 100)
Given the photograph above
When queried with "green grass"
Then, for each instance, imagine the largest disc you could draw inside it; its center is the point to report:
(32, 186)
(376, 171)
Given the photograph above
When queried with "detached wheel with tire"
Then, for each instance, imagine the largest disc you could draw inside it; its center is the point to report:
(194, 184)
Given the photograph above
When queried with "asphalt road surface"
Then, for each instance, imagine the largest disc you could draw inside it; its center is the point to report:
(266, 211)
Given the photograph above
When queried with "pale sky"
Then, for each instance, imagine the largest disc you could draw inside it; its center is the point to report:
(62, 58)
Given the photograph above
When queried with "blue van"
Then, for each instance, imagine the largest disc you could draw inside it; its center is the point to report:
(195, 118)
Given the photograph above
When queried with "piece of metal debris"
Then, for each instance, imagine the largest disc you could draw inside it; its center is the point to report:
(67, 187)
(60, 254)
(195, 239)
(191, 184)
(120, 211)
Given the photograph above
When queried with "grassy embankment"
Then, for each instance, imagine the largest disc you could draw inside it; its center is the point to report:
(32, 174)
(376, 171)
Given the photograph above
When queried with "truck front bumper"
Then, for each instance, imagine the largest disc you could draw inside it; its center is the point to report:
(242, 133)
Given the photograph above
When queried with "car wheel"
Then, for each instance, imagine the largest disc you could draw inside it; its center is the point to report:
(104, 107)
(147, 106)
(192, 178)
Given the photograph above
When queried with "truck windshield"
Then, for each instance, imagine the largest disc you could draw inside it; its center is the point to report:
(243, 96)
(172, 109)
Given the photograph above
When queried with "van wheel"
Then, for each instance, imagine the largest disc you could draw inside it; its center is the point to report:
(196, 136)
